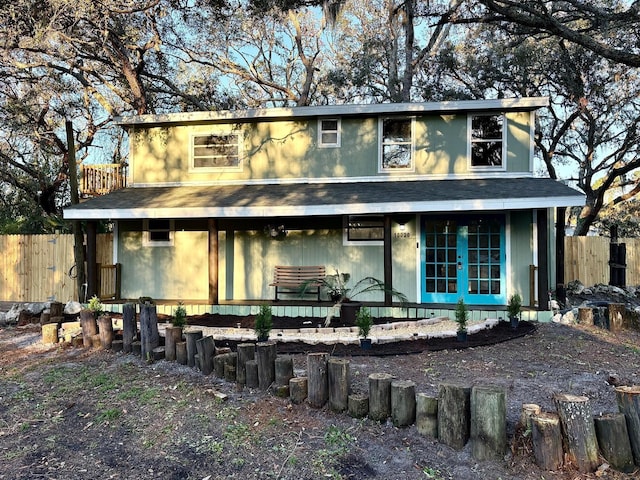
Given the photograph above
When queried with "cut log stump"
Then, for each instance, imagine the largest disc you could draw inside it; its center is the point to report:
(50, 333)
(403, 403)
(149, 335)
(129, 326)
(546, 436)
(616, 316)
(628, 399)
(251, 373)
(454, 414)
(613, 440)
(528, 410)
(358, 405)
(579, 431)
(172, 336)
(116, 346)
(283, 370)
(246, 352)
(339, 384)
(205, 347)
(298, 390)
(488, 422)
(181, 353)
(105, 330)
(427, 415)
(266, 357)
(585, 316)
(317, 379)
(191, 338)
(380, 396)
(89, 327)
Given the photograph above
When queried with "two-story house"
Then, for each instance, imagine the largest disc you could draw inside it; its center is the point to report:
(438, 199)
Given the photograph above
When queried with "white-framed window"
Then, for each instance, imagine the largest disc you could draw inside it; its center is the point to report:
(216, 151)
(157, 232)
(328, 132)
(487, 141)
(396, 144)
(363, 230)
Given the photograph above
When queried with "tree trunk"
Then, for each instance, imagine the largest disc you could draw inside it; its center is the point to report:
(206, 348)
(403, 403)
(298, 390)
(89, 327)
(546, 437)
(427, 415)
(266, 357)
(105, 328)
(613, 440)
(488, 423)
(380, 396)
(149, 336)
(129, 326)
(579, 431)
(251, 367)
(172, 336)
(317, 379)
(192, 337)
(628, 399)
(339, 384)
(284, 370)
(246, 352)
(454, 414)
(358, 405)
(181, 353)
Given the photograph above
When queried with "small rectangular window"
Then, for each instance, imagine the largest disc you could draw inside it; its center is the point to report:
(396, 146)
(216, 151)
(328, 132)
(158, 233)
(486, 142)
(365, 228)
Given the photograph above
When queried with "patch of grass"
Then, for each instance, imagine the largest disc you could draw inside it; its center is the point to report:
(338, 440)
(142, 395)
(432, 473)
(109, 415)
(237, 433)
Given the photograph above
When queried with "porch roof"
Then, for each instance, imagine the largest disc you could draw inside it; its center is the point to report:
(315, 199)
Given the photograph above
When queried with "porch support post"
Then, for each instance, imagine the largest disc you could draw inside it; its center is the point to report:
(543, 259)
(388, 267)
(92, 259)
(213, 261)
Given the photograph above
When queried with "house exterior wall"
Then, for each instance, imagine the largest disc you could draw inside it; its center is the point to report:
(287, 150)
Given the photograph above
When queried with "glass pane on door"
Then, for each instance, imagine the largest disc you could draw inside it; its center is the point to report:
(441, 274)
(483, 256)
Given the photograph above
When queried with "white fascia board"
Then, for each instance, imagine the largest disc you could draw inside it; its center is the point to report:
(525, 103)
(315, 210)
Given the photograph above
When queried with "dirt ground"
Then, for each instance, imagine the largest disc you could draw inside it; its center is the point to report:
(70, 413)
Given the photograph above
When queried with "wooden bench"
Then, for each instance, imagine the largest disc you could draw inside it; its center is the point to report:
(293, 278)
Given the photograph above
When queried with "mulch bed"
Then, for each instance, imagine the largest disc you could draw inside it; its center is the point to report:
(502, 332)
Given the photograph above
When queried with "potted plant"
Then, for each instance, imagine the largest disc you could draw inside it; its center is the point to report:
(343, 295)
(179, 316)
(461, 318)
(264, 323)
(364, 323)
(513, 309)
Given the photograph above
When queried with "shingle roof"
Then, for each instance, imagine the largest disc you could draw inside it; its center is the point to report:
(307, 199)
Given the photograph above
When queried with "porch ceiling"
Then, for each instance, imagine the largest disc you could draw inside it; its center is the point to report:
(314, 199)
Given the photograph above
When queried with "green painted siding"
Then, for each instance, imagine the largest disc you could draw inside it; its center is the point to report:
(289, 150)
(521, 243)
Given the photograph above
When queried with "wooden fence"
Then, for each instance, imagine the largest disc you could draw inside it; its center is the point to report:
(587, 259)
(36, 268)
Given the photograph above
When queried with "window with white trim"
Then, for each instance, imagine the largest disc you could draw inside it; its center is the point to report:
(364, 229)
(396, 144)
(328, 132)
(157, 232)
(216, 151)
(486, 142)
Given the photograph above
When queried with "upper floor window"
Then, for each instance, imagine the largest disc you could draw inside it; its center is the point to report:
(487, 141)
(216, 151)
(157, 233)
(328, 132)
(396, 149)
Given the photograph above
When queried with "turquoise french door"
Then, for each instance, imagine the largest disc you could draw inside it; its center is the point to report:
(463, 257)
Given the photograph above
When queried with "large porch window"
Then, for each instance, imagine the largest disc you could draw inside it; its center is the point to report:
(364, 230)
(216, 151)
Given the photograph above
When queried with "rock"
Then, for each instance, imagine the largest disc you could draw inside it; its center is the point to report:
(3, 319)
(568, 318)
(13, 315)
(575, 287)
(72, 308)
(587, 291)
(35, 308)
(617, 290)
(556, 318)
